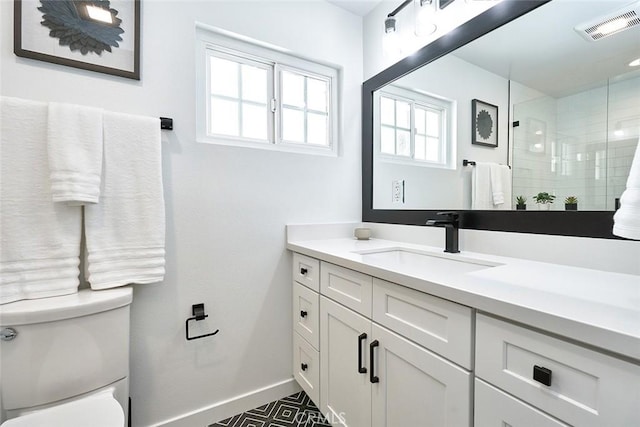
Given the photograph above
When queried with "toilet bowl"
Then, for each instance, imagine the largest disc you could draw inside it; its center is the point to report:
(97, 410)
(65, 360)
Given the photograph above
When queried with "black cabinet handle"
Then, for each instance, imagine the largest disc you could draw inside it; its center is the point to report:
(372, 378)
(303, 271)
(304, 366)
(542, 375)
(303, 313)
(361, 369)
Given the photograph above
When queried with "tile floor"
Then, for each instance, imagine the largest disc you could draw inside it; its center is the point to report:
(296, 410)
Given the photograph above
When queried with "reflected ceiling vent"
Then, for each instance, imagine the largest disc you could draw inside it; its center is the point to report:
(621, 20)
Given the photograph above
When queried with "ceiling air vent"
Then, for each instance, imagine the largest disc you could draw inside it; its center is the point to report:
(611, 24)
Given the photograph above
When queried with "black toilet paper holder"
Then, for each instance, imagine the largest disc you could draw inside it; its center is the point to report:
(197, 310)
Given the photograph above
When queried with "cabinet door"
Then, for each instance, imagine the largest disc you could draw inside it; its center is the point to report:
(494, 408)
(345, 391)
(416, 387)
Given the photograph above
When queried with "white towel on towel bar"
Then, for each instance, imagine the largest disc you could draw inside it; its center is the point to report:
(501, 186)
(125, 232)
(39, 239)
(490, 187)
(74, 143)
(627, 218)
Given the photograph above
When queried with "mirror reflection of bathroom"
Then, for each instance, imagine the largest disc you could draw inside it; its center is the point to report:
(579, 144)
(576, 124)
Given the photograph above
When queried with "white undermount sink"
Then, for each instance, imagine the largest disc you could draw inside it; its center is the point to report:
(412, 260)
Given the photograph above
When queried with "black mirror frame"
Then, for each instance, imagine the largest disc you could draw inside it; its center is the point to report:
(598, 224)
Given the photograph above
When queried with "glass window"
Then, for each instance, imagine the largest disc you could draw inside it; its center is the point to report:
(257, 96)
(305, 105)
(412, 126)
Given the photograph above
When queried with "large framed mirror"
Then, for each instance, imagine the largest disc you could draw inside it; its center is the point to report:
(524, 85)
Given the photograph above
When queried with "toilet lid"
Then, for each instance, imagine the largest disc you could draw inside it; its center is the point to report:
(98, 410)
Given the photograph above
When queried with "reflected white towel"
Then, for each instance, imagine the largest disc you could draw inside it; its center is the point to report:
(39, 239)
(74, 143)
(481, 196)
(125, 231)
(491, 187)
(495, 172)
(627, 218)
(501, 186)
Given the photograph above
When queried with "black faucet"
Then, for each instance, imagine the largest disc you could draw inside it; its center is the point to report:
(451, 226)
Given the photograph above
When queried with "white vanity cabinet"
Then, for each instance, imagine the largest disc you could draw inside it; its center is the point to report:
(454, 349)
(306, 317)
(375, 365)
(570, 382)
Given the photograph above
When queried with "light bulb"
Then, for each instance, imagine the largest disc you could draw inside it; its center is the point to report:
(425, 12)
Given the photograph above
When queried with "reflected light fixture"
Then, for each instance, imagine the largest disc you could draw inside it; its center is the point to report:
(99, 14)
(635, 63)
(425, 11)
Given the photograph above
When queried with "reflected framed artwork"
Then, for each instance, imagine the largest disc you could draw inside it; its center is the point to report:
(484, 118)
(95, 35)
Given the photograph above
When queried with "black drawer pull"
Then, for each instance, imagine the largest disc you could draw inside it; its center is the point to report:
(303, 271)
(361, 369)
(303, 313)
(304, 366)
(372, 378)
(542, 375)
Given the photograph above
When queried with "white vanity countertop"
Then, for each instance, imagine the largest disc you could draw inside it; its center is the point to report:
(595, 307)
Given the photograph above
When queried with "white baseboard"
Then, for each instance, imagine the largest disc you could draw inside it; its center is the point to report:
(235, 405)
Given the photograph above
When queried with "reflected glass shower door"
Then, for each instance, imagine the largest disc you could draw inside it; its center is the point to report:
(580, 144)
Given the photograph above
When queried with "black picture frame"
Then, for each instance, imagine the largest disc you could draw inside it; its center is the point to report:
(115, 51)
(484, 123)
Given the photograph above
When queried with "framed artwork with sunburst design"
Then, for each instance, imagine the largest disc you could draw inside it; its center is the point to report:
(484, 118)
(96, 35)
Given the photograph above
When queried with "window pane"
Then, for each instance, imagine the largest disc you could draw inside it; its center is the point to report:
(404, 143)
(421, 121)
(317, 94)
(317, 129)
(292, 89)
(224, 117)
(254, 84)
(292, 125)
(433, 123)
(387, 111)
(403, 114)
(224, 77)
(387, 140)
(420, 149)
(433, 149)
(254, 121)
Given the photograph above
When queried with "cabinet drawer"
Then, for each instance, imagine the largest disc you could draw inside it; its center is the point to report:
(306, 271)
(586, 388)
(494, 408)
(306, 367)
(349, 288)
(439, 325)
(306, 314)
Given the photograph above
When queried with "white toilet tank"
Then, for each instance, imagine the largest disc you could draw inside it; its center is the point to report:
(65, 347)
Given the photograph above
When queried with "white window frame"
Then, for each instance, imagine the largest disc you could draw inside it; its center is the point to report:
(423, 100)
(213, 41)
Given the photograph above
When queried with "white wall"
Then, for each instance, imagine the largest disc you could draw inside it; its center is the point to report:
(226, 207)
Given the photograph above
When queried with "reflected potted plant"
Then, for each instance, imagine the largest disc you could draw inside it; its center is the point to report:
(521, 203)
(571, 203)
(544, 200)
